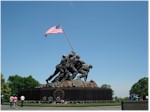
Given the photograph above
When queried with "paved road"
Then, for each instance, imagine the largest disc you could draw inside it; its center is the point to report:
(6, 107)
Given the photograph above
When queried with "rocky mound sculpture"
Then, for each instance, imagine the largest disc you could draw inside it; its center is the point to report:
(73, 83)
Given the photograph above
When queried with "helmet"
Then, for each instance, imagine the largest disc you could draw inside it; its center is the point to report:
(90, 66)
(72, 53)
(77, 56)
(63, 56)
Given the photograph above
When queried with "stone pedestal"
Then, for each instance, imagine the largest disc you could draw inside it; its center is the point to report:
(75, 90)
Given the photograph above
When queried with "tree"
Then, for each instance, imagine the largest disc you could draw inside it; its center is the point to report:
(5, 89)
(17, 82)
(140, 88)
(106, 86)
(30, 82)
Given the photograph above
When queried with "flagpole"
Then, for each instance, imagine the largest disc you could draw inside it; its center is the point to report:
(67, 37)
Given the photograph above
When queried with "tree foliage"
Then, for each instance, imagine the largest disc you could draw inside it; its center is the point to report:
(30, 82)
(17, 82)
(106, 86)
(140, 88)
(5, 89)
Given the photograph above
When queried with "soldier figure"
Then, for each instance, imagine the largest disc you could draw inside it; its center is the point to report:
(71, 67)
(74, 63)
(59, 68)
(67, 67)
(62, 76)
(84, 71)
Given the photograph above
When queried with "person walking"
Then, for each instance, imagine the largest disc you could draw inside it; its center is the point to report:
(22, 98)
(11, 100)
(136, 98)
(130, 97)
(2, 97)
(15, 100)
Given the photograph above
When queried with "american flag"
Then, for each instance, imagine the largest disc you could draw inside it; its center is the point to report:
(54, 30)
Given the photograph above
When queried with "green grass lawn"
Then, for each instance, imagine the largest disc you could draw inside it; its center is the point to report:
(70, 105)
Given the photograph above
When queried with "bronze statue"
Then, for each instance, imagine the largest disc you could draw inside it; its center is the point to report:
(69, 67)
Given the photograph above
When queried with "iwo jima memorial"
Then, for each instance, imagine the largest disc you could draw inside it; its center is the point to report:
(68, 82)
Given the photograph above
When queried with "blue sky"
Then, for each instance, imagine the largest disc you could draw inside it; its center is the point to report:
(112, 36)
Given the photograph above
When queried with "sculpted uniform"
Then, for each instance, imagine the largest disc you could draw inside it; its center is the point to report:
(72, 61)
(59, 68)
(84, 71)
(67, 66)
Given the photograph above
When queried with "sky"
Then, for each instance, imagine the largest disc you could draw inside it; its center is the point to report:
(112, 36)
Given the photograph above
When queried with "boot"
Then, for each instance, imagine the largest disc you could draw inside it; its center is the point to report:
(47, 81)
